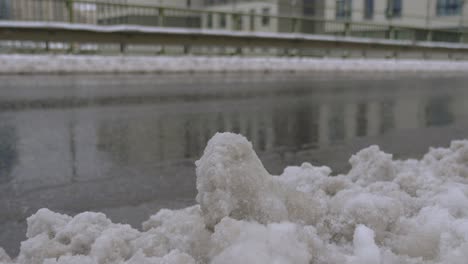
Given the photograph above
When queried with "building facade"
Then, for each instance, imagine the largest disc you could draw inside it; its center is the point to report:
(48, 10)
(435, 14)
(168, 13)
(419, 13)
(324, 16)
(263, 15)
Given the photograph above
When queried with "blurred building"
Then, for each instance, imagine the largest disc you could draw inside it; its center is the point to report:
(418, 13)
(47, 10)
(323, 14)
(264, 15)
(169, 13)
(35, 10)
(433, 14)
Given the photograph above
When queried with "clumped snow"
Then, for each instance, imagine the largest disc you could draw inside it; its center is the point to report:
(30, 64)
(383, 211)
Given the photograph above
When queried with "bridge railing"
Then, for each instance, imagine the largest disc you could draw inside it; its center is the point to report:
(115, 12)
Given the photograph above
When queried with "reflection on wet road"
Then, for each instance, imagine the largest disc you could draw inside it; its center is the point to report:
(125, 145)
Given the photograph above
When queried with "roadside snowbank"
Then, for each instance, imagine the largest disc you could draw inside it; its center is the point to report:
(383, 211)
(20, 64)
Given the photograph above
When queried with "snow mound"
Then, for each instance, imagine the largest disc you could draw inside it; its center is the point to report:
(383, 211)
(231, 181)
(70, 64)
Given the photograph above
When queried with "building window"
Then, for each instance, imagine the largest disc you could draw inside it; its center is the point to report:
(449, 7)
(309, 7)
(209, 20)
(368, 9)
(222, 20)
(394, 8)
(265, 16)
(344, 8)
(5, 9)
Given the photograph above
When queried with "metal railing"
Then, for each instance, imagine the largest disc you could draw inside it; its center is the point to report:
(103, 12)
(117, 12)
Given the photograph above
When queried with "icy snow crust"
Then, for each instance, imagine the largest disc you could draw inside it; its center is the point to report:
(68, 64)
(383, 211)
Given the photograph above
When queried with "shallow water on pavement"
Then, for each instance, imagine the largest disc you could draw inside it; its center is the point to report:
(125, 145)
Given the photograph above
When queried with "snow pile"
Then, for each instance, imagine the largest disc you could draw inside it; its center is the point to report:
(12, 64)
(383, 211)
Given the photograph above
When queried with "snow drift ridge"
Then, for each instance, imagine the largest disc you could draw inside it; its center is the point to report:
(383, 211)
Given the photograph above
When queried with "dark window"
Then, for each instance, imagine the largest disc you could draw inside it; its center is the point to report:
(368, 9)
(265, 16)
(343, 8)
(8, 151)
(222, 20)
(449, 7)
(387, 116)
(361, 120)
(209, 20)
(309, 7)
(5, 9)
(336, 123)
(439, 111)
(394, 8)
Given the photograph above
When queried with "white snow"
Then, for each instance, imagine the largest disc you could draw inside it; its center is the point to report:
(365, 249)
(13, 64)
(4, 258)
(383, 211)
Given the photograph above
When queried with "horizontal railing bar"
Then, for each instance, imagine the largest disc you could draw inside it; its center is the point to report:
(85, 33)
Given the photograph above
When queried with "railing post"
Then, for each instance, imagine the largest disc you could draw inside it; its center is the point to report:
(429, 35)
(461, 37)
(161, 17)
(123, 47)
(391, 32)
(347, 30)
(294, 25)
(187, 49)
